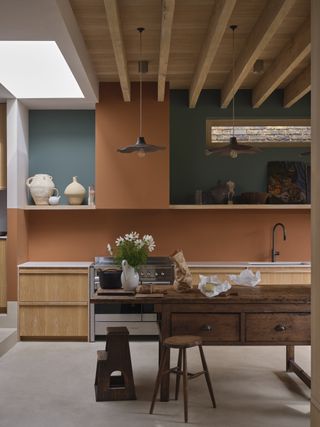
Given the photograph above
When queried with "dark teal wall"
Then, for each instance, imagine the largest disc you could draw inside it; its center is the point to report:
(62, 144)
(190, 169)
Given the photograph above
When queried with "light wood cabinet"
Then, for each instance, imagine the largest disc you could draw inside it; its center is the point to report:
(3, 146)
(53, 303)
(3, 275)
(269, 275)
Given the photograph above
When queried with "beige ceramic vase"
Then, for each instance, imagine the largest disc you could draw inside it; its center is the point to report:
(75, 192)
(41, 187)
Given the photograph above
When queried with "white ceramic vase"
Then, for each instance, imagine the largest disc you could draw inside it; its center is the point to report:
(75, 192)
(129, 277)
(41, 187)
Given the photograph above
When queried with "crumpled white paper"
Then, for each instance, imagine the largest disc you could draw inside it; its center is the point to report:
(211, 286)
(246, 278)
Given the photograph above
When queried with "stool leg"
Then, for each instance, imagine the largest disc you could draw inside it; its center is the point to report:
(157, 384)
(185, 385)
(178, 374)
(206, 374)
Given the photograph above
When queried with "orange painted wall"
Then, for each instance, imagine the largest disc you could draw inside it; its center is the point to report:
(17, 248)
(203, 235)
(124, 180)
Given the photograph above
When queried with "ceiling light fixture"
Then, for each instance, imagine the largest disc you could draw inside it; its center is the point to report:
(258, 66)
(233, 149)
(140, 147)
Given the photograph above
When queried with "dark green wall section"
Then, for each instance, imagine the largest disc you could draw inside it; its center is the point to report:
(62, 144)
(190, 169)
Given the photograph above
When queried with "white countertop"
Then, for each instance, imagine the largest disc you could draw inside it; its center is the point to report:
(3, 237)
(243, 264)
(57, 264)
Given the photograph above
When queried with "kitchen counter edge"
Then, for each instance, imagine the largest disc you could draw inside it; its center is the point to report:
(55, 264)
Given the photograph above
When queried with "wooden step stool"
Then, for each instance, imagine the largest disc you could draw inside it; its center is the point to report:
(114, 378)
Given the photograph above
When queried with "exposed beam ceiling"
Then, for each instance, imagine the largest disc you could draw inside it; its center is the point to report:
(297, 88)
(114, 23)
(268, 23)
(165, 41)
(291, 56)
(189, 46)
(216, 29)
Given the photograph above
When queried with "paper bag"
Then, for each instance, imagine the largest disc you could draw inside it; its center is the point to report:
(183, 276)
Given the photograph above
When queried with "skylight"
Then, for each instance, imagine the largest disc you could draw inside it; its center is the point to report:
(36, 69)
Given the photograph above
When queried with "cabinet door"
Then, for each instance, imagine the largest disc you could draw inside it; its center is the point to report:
(53, 321)
(3, 146)
(269, 276)
(53, 285)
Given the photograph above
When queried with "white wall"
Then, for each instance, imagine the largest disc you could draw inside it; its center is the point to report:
(17, 153)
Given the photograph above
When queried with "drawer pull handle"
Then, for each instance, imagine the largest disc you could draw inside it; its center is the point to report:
(280, 328)
(206, 328)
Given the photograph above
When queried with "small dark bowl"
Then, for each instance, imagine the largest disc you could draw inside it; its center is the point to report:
(110, 279)
(254, 198)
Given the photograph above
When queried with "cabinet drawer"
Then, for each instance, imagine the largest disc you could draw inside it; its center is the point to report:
(278, 327)
(54, 286)
(53, 321)
(211, 327)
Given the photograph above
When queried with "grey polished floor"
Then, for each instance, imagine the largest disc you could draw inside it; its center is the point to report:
(51, 384)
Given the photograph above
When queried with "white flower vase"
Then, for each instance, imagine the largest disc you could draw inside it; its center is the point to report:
(129, 277)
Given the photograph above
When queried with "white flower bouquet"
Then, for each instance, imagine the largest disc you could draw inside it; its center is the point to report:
(132, 248)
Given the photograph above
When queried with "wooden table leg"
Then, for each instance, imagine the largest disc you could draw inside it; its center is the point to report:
(165, 333)
(292, 366)
(289, 357)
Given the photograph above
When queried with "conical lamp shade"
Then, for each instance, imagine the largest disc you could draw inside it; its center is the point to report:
(140, 147)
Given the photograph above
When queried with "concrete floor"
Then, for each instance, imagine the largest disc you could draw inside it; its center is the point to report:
(51, 385)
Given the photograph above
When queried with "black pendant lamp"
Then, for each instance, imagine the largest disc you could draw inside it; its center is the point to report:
(233, 149)
(140, 147)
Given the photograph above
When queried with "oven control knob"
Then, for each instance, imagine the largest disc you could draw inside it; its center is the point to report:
(162, 274)
(156, 274)
(142, 273)
(148, 274)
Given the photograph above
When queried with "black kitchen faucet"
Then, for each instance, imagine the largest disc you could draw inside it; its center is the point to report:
(275, 253)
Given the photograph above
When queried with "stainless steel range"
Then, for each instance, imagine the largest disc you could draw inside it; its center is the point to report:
(140, 319)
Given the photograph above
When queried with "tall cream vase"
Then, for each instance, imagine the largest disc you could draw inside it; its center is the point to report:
(75, 192)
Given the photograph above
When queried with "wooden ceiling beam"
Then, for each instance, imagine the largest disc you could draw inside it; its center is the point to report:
(263, 31)
(112, 12)
(288, 59)
(165, 41)
(297, 88)
(216, 29)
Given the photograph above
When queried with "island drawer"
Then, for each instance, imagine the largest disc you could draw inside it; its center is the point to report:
(278, 327)
(212, 327)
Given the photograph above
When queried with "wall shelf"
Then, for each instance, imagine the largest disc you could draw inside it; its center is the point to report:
(242, 207)
(57, 207)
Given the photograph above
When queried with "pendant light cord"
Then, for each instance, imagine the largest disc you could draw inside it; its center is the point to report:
(140, 82)
(233, 27)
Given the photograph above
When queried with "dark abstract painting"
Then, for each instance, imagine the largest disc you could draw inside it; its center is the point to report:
(288, 182)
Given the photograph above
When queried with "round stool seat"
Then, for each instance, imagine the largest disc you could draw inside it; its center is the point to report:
(182, 341)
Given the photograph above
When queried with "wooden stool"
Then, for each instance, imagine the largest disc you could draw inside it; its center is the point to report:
(182, 342)
(116, 357)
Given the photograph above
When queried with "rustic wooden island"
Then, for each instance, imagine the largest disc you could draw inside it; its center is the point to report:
(264, 315)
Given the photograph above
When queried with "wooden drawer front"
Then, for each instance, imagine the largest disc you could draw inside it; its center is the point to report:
(53, 287)
(269, 276)
(211, 327)
(278, 327)
(53, 321)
